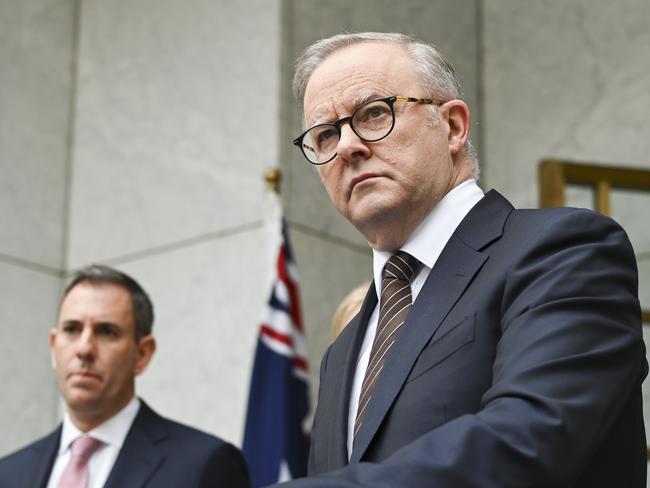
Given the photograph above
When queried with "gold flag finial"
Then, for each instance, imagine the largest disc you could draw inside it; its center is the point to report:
(273, 178)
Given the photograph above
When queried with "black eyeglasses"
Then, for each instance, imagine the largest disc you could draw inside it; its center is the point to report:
(371, 122)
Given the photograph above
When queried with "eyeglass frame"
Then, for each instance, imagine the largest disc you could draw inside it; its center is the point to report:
(390, 101)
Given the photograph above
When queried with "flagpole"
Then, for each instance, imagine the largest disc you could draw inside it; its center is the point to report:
(276, 437)
(272, 220)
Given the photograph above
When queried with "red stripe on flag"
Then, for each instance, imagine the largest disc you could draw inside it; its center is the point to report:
(294, 297)
(300, 363)
(268, 331)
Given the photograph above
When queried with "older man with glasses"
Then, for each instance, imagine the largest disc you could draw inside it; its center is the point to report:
(495, 347)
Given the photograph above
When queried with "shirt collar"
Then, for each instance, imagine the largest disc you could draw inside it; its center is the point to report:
(112, 432)
(431, 235)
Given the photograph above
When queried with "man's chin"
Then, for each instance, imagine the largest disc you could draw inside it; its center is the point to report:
(83, 402)
(369, 214)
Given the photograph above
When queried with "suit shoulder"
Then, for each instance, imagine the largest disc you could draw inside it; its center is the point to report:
(584, 217)
(187, 433)
(183, 437)
(222, 463)
(567, 222)
(14, 465)
(560, 214)
(30, 448)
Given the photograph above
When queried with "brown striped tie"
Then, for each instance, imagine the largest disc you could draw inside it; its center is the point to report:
(394, 305)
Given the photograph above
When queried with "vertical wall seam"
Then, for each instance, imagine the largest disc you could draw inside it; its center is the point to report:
(68, 167)
(480, 69)
(286, 70)
(70, 135)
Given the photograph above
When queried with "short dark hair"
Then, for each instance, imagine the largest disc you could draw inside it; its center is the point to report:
(98, 274)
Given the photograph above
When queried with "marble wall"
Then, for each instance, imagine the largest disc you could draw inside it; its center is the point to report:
(566, 80)
(36, 52)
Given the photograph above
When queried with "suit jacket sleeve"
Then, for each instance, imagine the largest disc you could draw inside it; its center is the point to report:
(568, 359)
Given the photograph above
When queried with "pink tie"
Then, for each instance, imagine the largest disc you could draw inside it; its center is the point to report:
(75, 474)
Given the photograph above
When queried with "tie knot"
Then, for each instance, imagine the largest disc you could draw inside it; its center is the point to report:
(84, 447)
(401, 266)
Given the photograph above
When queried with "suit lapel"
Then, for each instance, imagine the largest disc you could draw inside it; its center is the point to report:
(45, 455)
(140, 455)
(337, 452)
(450, 276)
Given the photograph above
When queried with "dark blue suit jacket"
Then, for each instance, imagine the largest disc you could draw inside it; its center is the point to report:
(156, 453)
(520, 365)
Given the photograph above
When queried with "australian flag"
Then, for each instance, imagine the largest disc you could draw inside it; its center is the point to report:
(276, 439)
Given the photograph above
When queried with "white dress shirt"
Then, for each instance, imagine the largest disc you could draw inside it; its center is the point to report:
(425, 244)
(112, 434)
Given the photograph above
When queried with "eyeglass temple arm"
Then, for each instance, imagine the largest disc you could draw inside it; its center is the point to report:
(428, 101)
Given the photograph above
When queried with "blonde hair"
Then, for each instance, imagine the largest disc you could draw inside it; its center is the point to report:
(348, 308)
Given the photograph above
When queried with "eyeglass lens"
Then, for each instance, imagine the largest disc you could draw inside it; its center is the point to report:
(370, 122)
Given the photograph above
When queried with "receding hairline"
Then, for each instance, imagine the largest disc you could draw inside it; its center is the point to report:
(89, 283)
(401, 47)
(300, 87)
(316, 53)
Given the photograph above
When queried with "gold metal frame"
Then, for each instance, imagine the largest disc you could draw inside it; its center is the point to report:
(555, 174)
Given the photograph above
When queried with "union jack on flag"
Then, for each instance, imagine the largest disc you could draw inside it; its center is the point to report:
(276, 438)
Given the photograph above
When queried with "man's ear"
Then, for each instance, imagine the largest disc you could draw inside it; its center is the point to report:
(51, 339)
(146, 347)
(458, 117)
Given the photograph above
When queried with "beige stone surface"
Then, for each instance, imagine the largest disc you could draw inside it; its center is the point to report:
(177, 116)
(36, 52)
(564, 80)
(208, 300)
(29, 404)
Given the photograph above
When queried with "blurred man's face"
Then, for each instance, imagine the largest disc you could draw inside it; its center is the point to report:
(392, 183)
(94, 351)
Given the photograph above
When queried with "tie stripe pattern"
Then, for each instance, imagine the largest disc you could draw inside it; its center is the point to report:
(75, 474)
(394, 305)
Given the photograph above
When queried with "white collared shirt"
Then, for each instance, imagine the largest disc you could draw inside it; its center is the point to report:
(425, 243)
(112, 434)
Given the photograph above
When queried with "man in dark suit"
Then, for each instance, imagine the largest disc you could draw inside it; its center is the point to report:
(496, 347)
(109, 437)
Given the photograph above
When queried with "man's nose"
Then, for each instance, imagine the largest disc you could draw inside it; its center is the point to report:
(86, 346)
(350, 147)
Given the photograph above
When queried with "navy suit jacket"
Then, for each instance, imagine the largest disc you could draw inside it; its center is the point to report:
(519, 365)
(157, 452)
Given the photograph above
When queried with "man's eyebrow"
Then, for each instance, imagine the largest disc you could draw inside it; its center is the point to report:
(319, 121)
(356, 103)
(322, 116)
(103, 323)
(70, 322)
(363, 98)
(106, 323)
